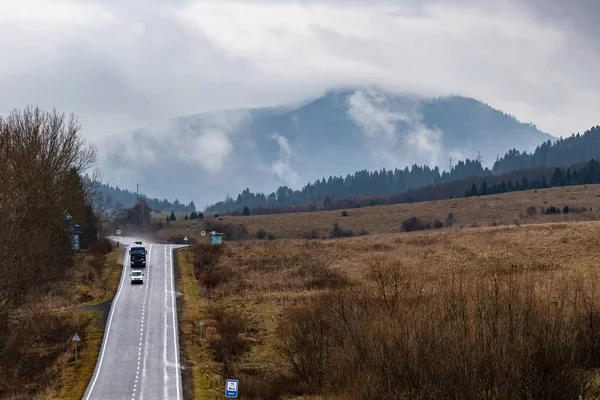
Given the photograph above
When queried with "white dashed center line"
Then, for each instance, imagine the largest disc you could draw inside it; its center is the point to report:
(142, 326)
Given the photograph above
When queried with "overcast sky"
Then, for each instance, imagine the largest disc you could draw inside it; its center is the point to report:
(121, 66)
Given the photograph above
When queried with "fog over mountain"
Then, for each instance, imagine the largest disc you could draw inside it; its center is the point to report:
(120, 66)
(345, 130)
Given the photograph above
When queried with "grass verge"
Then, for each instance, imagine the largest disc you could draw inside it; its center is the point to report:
(199, 382)
(97, 277)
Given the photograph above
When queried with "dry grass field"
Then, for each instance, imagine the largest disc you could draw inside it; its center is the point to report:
(490, 312)
(43, 366)
(500, 209)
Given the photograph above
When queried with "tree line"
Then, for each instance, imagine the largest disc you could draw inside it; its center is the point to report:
(124, 198)
(399, 181)
(588, 174)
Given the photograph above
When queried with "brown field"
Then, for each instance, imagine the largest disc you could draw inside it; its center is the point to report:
(47, 369)
(490, 312)
(500, 209)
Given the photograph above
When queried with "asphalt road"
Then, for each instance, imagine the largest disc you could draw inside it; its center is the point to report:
(139, 358)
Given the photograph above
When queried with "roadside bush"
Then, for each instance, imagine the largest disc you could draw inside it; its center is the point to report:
(229, 342)
(270, 236)
(206, 257)
(102, 246)
(437, 224)
(306, 342)
(344, 213)
(261, 234)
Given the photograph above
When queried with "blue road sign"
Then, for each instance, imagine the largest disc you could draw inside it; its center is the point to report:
(216, 238)
(231, 388)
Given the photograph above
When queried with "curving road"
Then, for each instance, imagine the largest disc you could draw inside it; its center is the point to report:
(139, 358)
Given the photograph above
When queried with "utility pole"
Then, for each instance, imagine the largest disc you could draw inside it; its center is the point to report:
(137, 195)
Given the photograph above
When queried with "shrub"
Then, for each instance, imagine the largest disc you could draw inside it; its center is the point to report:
(437, 224)
(229, 230)
(552, 210)
(337, 232)
(319, 276)
(102, 246)
(413, 224)
(313, 234)
(548, 348)
(261, 234)
(450, 220)
(228, 343)
(344, 213)
(565, 209)
(306, 341)
(531, 210)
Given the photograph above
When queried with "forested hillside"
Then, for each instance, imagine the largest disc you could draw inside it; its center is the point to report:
(574, 149)
(126, 198)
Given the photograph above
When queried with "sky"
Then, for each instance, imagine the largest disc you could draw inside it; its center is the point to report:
(122, 66)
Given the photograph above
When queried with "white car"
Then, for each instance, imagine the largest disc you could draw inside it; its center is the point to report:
(137, 277)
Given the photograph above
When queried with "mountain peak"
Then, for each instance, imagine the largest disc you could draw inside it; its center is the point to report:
(344, 130)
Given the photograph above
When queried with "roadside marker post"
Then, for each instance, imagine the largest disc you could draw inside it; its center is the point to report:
(76, 339)
(201, 326)
(231, 389)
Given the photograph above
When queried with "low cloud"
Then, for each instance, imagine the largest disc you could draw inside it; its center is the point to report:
(395, 134)
(282, 167)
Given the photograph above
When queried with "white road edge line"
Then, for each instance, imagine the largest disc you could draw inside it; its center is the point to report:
(112, 311)
(175, 328)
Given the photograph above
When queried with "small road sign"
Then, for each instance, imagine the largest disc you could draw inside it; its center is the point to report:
(76, 339)
(203, 233)
(216, 238)
(185, 239)
(231, 388)
(118, 231)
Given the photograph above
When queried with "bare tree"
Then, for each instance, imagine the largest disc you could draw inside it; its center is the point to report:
(41, 157)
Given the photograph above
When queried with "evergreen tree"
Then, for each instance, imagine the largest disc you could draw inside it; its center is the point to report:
(509, 186)
(172, 217)
(186, 217)
(246, 211)
(473, 190)
(483, 191)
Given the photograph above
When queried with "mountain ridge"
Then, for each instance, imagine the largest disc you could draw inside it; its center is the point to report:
(206, 155)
